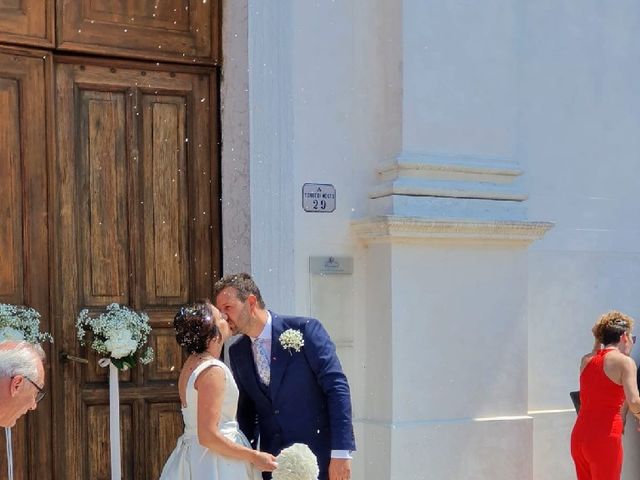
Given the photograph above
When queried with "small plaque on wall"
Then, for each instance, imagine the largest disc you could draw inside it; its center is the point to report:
(318, 197)
(331, 265)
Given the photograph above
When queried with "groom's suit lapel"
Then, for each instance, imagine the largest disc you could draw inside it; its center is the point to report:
(247, 370)
(280, 358)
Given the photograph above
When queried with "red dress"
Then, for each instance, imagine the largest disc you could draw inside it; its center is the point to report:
(596, 440)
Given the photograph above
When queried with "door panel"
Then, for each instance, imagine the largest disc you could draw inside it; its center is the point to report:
(28, 22)
(178, 30)
(11, 277)
(164, 172)
(137, 222)
(24, 248)
(96, 430)
(102, 170)
(164, 423)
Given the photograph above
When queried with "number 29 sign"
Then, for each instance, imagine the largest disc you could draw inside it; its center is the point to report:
(318, 197)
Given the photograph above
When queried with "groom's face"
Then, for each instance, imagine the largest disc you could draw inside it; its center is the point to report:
(237, 312)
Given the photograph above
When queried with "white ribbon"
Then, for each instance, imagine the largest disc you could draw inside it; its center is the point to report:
(114, 418)
(7, 436)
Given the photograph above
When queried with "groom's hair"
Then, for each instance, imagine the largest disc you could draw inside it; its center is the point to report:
(244, 285)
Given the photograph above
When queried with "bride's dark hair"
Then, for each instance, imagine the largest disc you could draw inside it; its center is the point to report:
(195, 326)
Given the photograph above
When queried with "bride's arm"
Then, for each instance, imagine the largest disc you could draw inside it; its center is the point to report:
(210, 385)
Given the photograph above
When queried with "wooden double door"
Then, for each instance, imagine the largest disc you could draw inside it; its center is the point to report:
(109, 192)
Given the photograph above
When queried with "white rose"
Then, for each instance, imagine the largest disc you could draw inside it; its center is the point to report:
(120, 344)
(10, 333)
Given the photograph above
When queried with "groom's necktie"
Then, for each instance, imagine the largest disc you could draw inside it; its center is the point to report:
(261, 360)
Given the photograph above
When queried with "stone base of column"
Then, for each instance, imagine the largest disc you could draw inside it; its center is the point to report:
(463, 449)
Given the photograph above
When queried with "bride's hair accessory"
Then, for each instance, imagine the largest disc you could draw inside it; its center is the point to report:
(195, 326)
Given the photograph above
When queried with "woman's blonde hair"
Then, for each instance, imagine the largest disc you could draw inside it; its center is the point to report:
(611, 326)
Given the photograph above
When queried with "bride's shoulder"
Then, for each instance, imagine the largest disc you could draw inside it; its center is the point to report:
(211, 375)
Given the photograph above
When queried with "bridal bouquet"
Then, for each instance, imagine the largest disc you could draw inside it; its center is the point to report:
(119, 333)
(20, 323)
(296, 462)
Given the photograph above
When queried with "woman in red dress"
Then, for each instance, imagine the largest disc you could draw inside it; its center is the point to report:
(607, 387)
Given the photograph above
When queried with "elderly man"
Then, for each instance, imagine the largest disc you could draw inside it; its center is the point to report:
(21, 380)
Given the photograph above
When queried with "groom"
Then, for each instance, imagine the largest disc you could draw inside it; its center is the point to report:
(292, 388)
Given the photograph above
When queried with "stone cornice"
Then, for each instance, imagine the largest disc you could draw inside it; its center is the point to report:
(391, 228)
(452, 164)
(426, 175)
(451, 189)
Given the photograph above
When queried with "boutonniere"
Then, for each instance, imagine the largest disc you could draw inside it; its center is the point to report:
(291, 339)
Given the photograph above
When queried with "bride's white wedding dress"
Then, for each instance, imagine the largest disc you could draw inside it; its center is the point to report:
(192, 461)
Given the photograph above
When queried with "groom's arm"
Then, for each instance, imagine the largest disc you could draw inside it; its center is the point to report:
(321, 355)
(247, 417)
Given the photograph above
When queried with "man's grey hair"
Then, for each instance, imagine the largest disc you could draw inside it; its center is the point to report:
(20, 358)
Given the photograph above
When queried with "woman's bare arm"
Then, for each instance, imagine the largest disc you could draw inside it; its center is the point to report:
(630, 384)
(210, 386)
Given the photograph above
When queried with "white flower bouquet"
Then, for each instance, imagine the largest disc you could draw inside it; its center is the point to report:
(20, 323)
(119, 333)
(296, 462)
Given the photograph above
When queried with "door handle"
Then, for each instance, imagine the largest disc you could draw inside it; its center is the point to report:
(64, 356)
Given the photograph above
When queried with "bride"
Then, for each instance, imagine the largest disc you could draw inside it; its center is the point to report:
(212, 447)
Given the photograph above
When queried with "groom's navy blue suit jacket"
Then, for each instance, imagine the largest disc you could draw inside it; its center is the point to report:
(308, 399)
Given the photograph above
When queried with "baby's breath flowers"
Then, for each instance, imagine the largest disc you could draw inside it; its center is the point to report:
(296, 462)
(20, 323)
(291, 339)
(118, 333)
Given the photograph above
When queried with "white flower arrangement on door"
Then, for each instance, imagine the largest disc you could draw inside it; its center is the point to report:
(21, 324)
(119, 333)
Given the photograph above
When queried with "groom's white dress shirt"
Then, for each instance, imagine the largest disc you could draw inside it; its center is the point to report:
(266, 336)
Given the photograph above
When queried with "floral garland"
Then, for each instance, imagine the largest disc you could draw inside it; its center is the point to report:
(296, 462)
(19, 323)
(119, 333)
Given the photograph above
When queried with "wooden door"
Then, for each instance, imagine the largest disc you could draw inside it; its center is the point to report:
(29, 22)
(186, 31)
(135, 196)
(24, 247)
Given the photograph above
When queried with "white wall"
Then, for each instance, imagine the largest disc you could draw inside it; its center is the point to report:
(578, 144)
(339, 106)
(459, 62)
(337, 87)
(328, 99)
